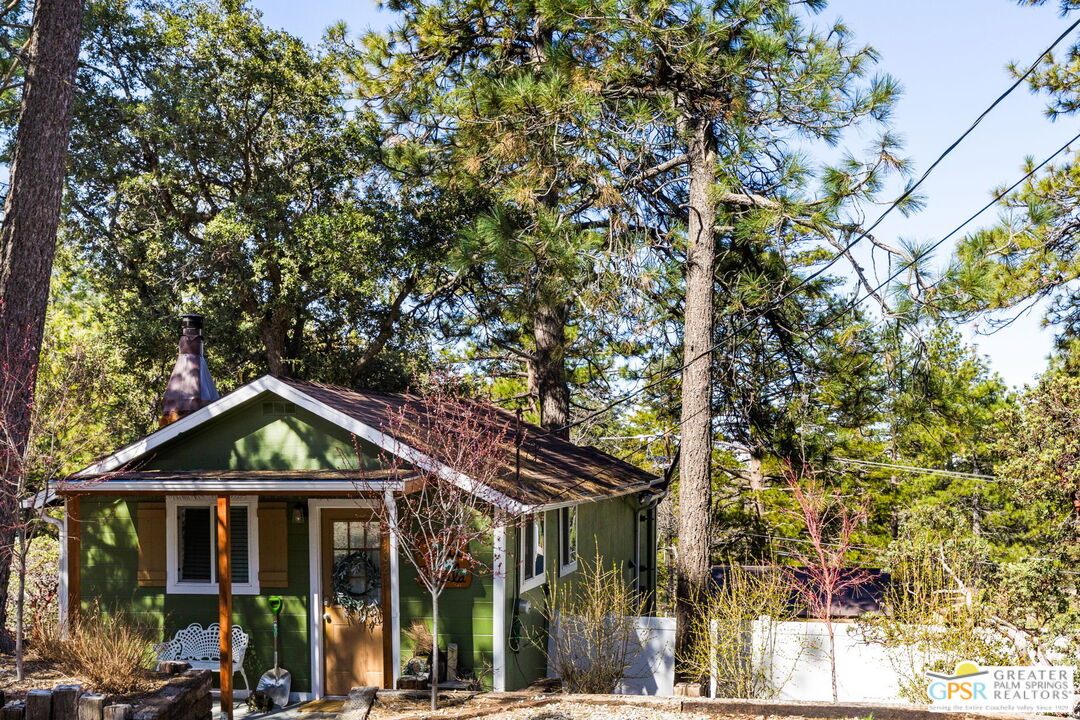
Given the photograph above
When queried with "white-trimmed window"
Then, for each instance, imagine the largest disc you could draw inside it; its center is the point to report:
(568, 535)
(191, 545)
(532, 552)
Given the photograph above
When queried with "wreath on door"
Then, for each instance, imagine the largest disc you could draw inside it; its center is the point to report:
(366, 604)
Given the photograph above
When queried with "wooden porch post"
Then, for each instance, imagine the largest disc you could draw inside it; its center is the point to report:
(74, 560)
(224, 578)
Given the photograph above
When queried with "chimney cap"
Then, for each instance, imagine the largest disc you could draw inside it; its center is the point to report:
(191, 320)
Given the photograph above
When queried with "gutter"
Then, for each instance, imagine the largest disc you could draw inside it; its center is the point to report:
(628, 490)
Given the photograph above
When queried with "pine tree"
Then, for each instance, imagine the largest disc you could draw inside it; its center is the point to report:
(31, 218)
(716, 94)
(503, 99)
(1033, 251)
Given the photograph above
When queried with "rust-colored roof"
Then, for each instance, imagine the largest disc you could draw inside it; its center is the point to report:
(151, 476)
(552, 470)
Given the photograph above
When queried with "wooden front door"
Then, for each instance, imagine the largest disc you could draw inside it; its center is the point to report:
(354, 651)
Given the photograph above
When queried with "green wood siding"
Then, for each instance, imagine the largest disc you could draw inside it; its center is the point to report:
(465, 616)
(249, 438)
(605, 531)
(109, 562)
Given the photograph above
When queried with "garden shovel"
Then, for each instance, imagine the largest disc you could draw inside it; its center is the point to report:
(276, 682)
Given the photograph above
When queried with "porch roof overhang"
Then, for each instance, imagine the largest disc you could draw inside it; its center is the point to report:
(234, 482)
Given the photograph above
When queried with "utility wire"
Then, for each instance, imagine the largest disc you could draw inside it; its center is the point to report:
(906, 266)
(922, 178)
(832, 321)
(892, 206)
(848, 307)
(878, 553)
(912, 468)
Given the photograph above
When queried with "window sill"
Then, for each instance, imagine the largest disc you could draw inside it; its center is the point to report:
(533, 582)
(209, 589)
(567, 569)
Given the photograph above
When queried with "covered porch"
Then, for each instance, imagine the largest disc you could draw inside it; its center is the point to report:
(269, 533)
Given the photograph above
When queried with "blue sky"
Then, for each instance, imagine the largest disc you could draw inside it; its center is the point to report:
(950, 57)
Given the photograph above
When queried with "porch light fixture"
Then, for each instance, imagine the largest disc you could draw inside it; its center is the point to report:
(299, 514)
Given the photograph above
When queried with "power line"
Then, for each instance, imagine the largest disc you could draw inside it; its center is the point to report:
(863, 234)
(922, 178)
(906, 266)
(847, 307)
(879, 553)
(912, 468)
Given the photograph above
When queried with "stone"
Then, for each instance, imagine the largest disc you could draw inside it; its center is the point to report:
(91, 707)
(65, 702)
(173, 667)
(688, 690)
(38, 704)
(358, 704)
(183, 697)
(119, 711)
(13, 710)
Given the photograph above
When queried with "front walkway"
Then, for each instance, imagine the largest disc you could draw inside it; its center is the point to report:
(314, 710)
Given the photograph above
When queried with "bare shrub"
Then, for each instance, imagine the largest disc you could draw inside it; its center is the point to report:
(593, 628)
(831, 523)
(111, 651)
(933, 617)
(419, 636)
(448, 510)
(42, 586)
(734, 635)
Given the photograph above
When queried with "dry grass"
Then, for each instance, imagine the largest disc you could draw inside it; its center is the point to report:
(418, 634)
(113, 652)
(734, 633)
(594, 626)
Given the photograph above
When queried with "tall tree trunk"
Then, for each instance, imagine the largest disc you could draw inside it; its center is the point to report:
(20, 611)
(548, 370)
(695, 456)
(549, 366)
(756, 475)
(31, 218)
(274, 331)
(434, 651)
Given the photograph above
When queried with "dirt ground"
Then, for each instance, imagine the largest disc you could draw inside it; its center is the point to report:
(552, 711)
(467, 706)
(38, 675)
(581, 711)
(47, 675)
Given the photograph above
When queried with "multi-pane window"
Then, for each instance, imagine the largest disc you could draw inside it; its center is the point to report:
(350, 537)
(192, 558)
(532, 555)
(568, 539)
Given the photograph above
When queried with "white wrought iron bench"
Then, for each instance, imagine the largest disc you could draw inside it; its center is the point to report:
(199, 647)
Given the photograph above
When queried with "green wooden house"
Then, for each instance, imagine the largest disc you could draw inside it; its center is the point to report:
(140, 530)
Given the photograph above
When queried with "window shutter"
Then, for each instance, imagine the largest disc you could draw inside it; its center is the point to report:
(150, 527)
(273, 545)
(238, 523)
